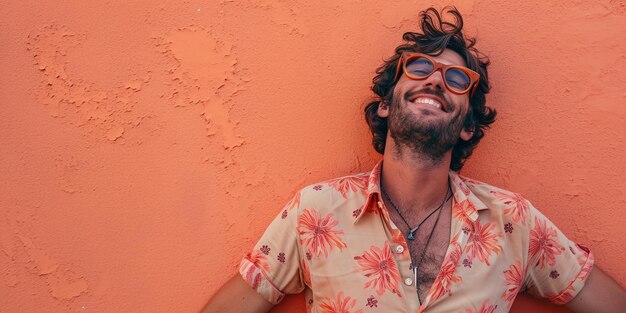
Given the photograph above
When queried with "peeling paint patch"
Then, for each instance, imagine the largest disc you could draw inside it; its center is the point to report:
(205, 73)
(213, 111)
(49, 48)
(96, 112)
(205, 63)
(286, 15)
(61, 281)
(115, 132)
(64, 289)
(43, 263)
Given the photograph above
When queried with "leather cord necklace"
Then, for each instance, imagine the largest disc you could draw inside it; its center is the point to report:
(411, 233)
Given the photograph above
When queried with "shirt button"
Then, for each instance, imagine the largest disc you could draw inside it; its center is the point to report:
(399, 249)
(408, 281)
(380, 204)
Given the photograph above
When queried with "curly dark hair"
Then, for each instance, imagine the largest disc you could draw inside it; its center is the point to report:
(437, 36)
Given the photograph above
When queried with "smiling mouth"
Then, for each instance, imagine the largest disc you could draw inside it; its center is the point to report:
(428, 101)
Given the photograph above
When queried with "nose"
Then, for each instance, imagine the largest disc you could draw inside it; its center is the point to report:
(435, 80)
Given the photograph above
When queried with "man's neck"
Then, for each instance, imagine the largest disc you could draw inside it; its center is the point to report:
(414, 182)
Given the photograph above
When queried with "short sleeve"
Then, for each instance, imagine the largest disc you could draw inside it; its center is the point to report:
(272, 268)
(557, 267)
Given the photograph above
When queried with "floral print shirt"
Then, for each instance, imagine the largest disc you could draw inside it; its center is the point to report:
(335, 241)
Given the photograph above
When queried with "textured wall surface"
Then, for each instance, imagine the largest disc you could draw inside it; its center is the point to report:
(146, 145)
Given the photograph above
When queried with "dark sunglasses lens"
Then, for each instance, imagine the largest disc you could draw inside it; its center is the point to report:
(419, 67)
(457, 79)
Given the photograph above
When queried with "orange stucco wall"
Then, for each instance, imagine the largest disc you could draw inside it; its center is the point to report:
(146, 145)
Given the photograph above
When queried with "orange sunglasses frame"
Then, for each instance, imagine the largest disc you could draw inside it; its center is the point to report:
(407, 56)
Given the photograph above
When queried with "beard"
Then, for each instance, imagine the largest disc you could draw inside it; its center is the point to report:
(427, 138)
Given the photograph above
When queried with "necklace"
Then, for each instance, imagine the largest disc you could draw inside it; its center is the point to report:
(416, 268)
(411, 233)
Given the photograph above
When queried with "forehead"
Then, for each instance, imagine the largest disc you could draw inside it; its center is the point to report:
(450, 57)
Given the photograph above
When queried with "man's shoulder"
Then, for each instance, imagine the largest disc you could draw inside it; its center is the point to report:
(493, 196)
(332, 192)
(479, 186)
(345, 185)
(507, 208)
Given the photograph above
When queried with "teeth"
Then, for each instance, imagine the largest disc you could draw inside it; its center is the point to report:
(429, 101)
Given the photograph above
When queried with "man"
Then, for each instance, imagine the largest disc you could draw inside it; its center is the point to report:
(412, 235)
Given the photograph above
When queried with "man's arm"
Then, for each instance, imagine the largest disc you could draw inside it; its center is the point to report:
(600, 294)
(237, 296)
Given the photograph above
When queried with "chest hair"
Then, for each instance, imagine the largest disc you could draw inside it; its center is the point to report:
(435, 251)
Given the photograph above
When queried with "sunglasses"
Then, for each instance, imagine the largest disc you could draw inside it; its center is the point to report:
(417, 66)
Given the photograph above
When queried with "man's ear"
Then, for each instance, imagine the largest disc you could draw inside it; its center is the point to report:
(383, 109)
(466, 134)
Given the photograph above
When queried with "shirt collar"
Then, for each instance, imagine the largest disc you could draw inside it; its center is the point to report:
(459, 185)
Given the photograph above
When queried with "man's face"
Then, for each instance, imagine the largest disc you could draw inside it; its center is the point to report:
(424, 115)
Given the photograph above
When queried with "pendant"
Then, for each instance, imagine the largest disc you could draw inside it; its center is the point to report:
(410, 236)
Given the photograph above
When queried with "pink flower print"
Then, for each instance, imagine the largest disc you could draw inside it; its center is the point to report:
(349, 184)
(554, 274)
(257, 258)
(372, 302)
(340, 305)
(378, 265)
(317, 234)
(265, 249)
(483, 242)
(485, 308)
(462, 210)
(514, 279)
(508, 227)
(253, 272)
(294, 202)
(543, 247)
(447, 274)
(281, 257)
(517, 207)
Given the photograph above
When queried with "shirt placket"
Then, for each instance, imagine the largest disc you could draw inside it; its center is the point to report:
(461, 240)
(402, 258)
